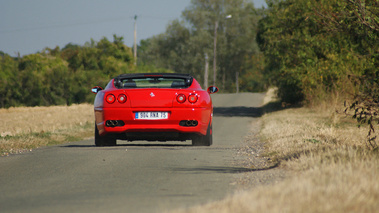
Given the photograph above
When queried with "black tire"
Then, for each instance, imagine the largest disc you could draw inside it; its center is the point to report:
(103, 140)
(206, 140)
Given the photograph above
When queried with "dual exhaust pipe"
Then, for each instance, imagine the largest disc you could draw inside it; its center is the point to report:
(188, 123)
(114, 123)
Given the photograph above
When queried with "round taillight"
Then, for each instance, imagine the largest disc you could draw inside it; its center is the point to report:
(110, 99)
(181, 98)
(121, 98)
(192, 98)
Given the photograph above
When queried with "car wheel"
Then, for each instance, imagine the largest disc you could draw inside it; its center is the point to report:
(205, 140)
(103, 140)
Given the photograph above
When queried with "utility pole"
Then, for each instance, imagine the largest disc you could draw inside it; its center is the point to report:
(215, 53)
(215, 50)
(206, 71)
(237, 83)
(135, 40)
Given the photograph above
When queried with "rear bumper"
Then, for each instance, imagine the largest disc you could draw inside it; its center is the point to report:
(169, 125)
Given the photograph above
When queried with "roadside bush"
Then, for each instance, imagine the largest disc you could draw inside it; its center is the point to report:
(311, 47)
(364, 107)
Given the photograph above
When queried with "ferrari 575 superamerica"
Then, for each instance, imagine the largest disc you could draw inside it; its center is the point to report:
(153, 107)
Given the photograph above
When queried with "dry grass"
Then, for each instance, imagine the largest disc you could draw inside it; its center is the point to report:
(339, 188)
(332, 169)
(25, 128)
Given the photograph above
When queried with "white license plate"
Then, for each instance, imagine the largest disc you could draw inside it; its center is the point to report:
(151, 115)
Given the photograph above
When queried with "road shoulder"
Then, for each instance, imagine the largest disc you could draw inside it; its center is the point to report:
(251, 154)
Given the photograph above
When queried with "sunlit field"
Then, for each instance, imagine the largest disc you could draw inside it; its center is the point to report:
(25, 128)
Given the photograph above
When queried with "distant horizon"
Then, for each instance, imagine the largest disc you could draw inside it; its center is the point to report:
(28, 27)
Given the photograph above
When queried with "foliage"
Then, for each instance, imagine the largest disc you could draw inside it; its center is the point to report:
(253, 78)
(360, 22)
(43, 80)
(313, 48)
(185, 43)
(64, 76)
(9, 89)
(365, 107)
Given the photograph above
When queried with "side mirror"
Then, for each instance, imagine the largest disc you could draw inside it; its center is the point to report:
(96, 89)
(212, 89)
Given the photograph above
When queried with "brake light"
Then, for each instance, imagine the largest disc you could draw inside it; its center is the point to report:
(121, 98)
(192, 98)
(181, 98)
(110, 98)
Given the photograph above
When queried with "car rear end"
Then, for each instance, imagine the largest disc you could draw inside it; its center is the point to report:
(153, 107)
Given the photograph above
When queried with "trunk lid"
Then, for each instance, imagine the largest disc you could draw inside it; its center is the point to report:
(151, 98)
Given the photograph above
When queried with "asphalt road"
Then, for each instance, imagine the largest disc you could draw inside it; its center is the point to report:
(131, 177)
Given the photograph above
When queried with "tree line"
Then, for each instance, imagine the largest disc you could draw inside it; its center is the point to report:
(64, 76)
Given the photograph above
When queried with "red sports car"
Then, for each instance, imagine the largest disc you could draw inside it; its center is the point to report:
(153, 107)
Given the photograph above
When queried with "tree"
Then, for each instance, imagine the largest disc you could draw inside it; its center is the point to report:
(184, 44)
(44, 80)
(10, 87)
(316, 48)
(307, 58)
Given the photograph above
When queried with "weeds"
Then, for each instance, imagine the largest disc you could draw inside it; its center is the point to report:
(365, 107)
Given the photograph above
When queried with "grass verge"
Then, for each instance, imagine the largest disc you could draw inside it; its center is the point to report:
(25, 128)
(331, 168)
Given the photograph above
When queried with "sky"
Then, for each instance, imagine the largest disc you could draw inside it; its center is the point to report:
(28, 26)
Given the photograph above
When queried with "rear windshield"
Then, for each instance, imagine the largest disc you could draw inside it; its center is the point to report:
(153, 82)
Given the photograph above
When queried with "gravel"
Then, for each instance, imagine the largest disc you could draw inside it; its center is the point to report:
(260, 169)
